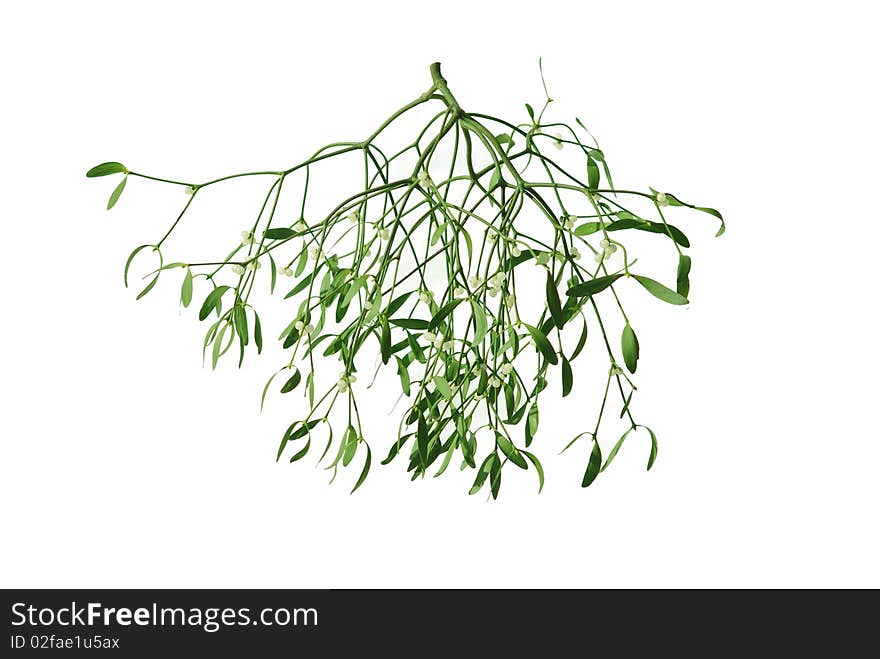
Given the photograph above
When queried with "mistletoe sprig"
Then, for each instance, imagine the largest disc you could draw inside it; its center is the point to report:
(416, 268)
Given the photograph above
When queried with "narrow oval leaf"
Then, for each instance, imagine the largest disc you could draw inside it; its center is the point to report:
(106, 168)
(510, 451)
(540, 469)
(443, 387)
(364, 471)
(117, 191)
(566, 377)
(258, 333)
(594, 466)
(593, 286)
(444, 311)
(410, 323)
(130, 259)
(302, 452)
(615, 449)
(553, 302)
(481, 325)
(186, 288)
(660, 291)
(279, 234)
(292, 382)
(629, 344)
(683, 282)
(542, 344)
(592, 173)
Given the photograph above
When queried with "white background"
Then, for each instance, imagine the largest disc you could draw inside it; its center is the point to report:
(125, 463)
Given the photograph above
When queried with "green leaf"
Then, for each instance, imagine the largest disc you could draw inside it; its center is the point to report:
(592, 173)
(659, 291)
(532, 423)
(130, 259)
(443, 387)
(258, 333)
(566, 377)
(510, 451)
(653, 455)
(410, 323)
(675, 201)
(630, 221)
(553, 302)
(301, 263)
(537, 464)
(148, 288)
(403, 372)
(351, 446)
(186, 289)
(396, 303)
(353, 290)
(581, 342)
(302, 452)
(483, 472)
(212, 301)
(117, 191)
(594, 466)
(107, 168)
(241, 325)
(481, 326)
(542, 344)
(385, 341)
(266, 389)
(279, 234)
(615, 449)
(364, 471)
(683, 283)
(292, 381)
(531, 112)
(587, 228)
(444, 311)
(630, 347)
(593, 286)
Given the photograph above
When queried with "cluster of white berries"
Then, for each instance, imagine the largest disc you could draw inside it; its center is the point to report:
(509, 300)
(491, 236)
(247, 238)
(345, 381)
(661, 198)
(506, 369)
(303, 328)
(315, 253)
(384, 234)
(496, 281)
(438, 341)
(558, 141)
(424, 179)
(253, 265)
(286, 271)
(189, 189)
(569, 221)
(606, 250)
(301, 226)
(575, 253)
(515, 250)
(425, 297)
(459, 292)
(616, 370)
(475, 282)
(353, 217)
(237, 269)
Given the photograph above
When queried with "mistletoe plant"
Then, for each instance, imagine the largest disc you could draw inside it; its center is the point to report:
(417, 267)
